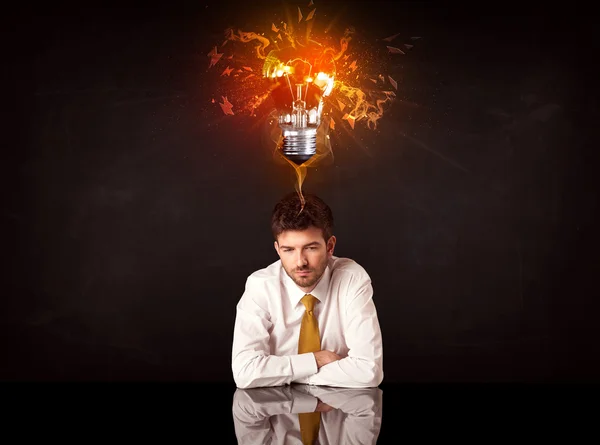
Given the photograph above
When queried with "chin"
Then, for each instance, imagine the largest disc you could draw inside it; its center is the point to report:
(304, 281)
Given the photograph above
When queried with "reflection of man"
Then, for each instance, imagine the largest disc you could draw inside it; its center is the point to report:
(274, 415)
(310, 316)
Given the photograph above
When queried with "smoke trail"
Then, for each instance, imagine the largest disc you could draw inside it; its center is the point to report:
(246, 37)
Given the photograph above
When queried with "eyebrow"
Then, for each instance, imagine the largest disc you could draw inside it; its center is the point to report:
(314, 243)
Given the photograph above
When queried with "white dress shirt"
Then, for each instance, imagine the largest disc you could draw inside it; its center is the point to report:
(267, 328)
(270, 415)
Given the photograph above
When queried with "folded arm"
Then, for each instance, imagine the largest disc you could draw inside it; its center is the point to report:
(252, 364)
(363, 367)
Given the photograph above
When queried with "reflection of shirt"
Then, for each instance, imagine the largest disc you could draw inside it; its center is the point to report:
(270, 415)
(267, 327)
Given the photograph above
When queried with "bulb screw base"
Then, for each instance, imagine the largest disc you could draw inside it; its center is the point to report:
(299, 144)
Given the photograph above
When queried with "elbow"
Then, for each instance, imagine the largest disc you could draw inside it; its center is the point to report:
(242, 382)
(378, 377)
(245, 374)
(242, 379)
(247, 382)
(372, 377)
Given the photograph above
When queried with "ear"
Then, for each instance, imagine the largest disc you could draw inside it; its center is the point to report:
(331, 245)
(276, 245)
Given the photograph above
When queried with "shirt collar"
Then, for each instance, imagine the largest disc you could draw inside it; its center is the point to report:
(295, 294)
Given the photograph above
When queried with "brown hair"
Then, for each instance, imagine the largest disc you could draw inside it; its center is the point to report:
(287, 215)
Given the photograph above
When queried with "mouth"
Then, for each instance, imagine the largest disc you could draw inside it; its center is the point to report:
(303, 273)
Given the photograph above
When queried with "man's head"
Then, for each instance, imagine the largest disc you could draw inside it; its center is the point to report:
(303, 240)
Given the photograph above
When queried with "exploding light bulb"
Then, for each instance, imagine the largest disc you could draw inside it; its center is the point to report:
(302, 77)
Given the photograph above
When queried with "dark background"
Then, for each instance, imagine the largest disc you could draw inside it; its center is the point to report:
(134, 211)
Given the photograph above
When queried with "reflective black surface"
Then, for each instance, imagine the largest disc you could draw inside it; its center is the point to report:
(271, 415)
(217, 412)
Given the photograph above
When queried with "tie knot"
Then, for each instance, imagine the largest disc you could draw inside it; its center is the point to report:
(309, 302)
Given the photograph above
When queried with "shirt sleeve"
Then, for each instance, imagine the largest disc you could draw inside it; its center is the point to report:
(252, 362)
(363, 367)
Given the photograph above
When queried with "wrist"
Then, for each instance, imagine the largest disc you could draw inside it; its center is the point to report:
(317, 360)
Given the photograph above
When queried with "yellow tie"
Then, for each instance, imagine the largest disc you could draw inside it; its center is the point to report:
(309, 341)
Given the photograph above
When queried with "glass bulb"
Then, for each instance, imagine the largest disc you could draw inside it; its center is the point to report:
(304, 76)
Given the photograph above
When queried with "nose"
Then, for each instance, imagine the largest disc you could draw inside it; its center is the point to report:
(301, 260)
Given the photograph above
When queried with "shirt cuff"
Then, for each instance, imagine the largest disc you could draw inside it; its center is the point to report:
(303, 365)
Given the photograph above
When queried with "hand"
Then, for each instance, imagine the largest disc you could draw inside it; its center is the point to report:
(325, 357)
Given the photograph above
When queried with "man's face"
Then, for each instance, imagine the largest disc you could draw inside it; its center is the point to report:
(304, 255)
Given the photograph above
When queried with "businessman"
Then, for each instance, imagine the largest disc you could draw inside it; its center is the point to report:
(309, 317)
